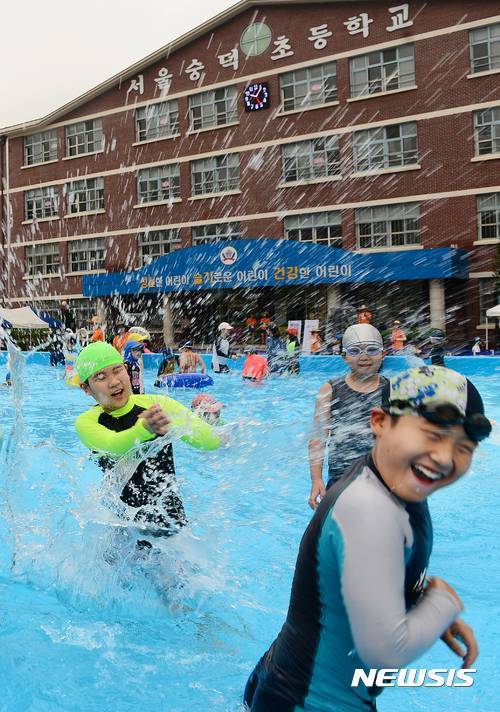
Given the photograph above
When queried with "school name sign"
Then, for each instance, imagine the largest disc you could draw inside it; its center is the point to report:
(250, 263)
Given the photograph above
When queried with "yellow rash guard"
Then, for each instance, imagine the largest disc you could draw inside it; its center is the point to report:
(98, 437)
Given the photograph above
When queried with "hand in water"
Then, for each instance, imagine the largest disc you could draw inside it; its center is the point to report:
(156, 420)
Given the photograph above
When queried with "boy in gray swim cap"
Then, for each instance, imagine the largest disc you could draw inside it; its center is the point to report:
(343, 407)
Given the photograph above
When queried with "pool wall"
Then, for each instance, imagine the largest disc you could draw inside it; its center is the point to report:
(316, 364)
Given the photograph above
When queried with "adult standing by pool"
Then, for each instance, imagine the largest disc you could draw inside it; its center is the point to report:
(398, 337)
(98, 333)
(343, 407)
(221, 348)
(364, 315)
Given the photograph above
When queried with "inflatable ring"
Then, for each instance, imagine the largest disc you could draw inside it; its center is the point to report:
(185, 380)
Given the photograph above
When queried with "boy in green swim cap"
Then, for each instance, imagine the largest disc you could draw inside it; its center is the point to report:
(122, 420)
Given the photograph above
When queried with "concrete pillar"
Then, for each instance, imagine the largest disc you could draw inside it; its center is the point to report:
(168, 322)
(333, 297)
(437, 304)
(279, 312)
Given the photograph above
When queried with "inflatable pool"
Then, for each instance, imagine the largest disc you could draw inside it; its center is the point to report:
(185, 380)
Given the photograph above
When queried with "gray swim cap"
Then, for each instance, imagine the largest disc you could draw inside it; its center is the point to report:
(361, 334)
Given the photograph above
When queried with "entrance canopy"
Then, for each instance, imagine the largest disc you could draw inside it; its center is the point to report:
(494, 312)
(22, 318)
(241, 264)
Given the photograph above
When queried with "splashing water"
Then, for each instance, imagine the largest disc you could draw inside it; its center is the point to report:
(90, 622)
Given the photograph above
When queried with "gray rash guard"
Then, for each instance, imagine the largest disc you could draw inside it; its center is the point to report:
(357, 600)
(350, 433)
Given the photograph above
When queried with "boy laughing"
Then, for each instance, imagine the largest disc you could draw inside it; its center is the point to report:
(360, 594)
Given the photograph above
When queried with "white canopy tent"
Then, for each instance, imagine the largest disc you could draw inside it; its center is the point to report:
(493, 313)
(23, 318)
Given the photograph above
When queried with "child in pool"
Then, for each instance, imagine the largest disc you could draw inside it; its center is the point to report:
(121, 420)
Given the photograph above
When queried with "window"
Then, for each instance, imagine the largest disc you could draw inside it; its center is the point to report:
(218, 174)
(485, 48)
(84, 137)
(155, 243)
(159, 183)
(85, 195)
(488, 210)
(216, 233)
(42, 259)
(213, 108)
(311, 86)
(40, 148)
(385, 70)
(489, 296)
(322, 228)
(41, 203)
(388, 225)
(385, 147)
(311, 159)
(86, 255)
(157, 120)
(487, 131)
(83, 310)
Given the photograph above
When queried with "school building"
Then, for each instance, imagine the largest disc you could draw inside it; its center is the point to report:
(292, 157)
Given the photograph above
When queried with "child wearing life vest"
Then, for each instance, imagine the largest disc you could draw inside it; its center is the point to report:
(255, 367)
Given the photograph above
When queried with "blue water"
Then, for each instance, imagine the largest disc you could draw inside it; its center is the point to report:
(181, 632)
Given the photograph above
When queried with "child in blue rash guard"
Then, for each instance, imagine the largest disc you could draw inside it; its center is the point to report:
(121, 420)
(132, 359)
(360, 594)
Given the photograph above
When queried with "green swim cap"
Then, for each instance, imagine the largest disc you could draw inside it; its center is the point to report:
(95, 357)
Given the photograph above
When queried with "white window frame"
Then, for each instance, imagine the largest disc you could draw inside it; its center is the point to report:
(84, 137)
(215, 232)
(40, 259)
(41, 203)
(160, 183)
(312, 159)
(86, 195)
(385, 147)
(157, 121)
(156, 243)
(309, 86)
(217, 174)
(383, 70)
(488, 216)
(217, 107)
(83, 310)
(386, 223)
(40, 148)
(87, 255)
(320, 228)
(487, 131)
(489, 296)
(489, 36)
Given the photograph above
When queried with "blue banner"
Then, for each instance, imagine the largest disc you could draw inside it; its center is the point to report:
(270, 263)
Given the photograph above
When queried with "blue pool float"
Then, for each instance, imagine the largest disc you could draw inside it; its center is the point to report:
(185, 380)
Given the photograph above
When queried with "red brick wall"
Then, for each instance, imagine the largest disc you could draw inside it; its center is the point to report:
(445, 143)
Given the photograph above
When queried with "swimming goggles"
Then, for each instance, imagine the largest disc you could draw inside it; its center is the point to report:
(369, 350)
(477, 426)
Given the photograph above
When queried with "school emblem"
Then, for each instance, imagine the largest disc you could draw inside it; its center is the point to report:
(228, 255)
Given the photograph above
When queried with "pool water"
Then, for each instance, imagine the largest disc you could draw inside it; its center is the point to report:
(86, 624)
